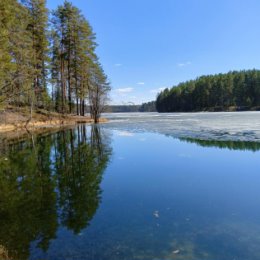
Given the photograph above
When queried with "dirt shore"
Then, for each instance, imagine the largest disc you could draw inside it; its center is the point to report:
(18, 120)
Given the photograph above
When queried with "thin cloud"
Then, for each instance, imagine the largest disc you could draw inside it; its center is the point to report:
(124, 90)
(184, 64)
(140, 83)
(118, 65)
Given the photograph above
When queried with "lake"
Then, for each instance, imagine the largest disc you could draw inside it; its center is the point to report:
(143, 186)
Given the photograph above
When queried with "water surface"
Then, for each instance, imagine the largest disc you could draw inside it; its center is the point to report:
(131, 189)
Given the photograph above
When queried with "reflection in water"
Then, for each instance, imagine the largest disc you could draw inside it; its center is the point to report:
(50, 181)
(231, 145)
(50, 190)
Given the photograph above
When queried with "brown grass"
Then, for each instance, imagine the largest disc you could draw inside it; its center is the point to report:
(4, 253)
(17, 119)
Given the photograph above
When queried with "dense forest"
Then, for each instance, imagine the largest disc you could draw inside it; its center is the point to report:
(48, 59)
(236, 90)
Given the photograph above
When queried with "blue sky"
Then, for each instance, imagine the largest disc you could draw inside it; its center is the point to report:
(147, 45)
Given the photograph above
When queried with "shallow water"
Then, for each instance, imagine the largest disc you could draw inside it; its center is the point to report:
(131, 190)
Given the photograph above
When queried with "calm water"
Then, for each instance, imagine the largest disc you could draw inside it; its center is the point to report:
(139, 187)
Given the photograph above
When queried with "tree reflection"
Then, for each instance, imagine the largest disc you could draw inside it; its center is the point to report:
(231, 145)
(80, 162)
(50, 181)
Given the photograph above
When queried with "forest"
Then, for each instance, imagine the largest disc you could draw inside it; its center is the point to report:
(144, 107)
(233, 91)
(48, 59)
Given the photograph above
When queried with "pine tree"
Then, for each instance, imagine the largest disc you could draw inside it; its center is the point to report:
(38, 22)
(16, 49)
(77, 69)
(25, 57)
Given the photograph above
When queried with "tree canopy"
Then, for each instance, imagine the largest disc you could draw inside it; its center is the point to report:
(236, 90)
(48, 59)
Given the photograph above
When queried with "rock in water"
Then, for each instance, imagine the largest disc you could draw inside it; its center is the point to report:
(156, 214)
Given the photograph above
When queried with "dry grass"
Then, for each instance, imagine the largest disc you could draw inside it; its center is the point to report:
(4, 253)
(16, 119)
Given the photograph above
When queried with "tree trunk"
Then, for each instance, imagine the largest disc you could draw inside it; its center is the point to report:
(77, 106)
(63, 86)
(83, 107)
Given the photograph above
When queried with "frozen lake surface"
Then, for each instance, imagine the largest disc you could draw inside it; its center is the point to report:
(231, 126)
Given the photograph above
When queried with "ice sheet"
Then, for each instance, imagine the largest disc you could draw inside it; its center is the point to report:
(223, 126)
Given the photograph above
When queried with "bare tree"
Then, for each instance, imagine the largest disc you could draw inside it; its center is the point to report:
(98, 89)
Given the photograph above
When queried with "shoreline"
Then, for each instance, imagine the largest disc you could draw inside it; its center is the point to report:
(10, 132)
(56, 123)
(17, 121)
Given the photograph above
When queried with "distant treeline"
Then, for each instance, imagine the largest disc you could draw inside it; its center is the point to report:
(145, 107)
(236, 90)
